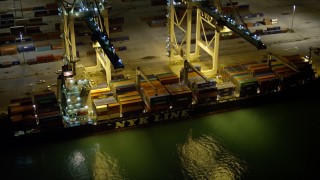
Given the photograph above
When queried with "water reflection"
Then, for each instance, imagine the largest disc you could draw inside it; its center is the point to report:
(105, 166)
(206, 158)
(77, 165)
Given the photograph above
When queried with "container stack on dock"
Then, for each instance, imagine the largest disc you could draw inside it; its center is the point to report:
(48, 110)
(43, 46)
(22, 114)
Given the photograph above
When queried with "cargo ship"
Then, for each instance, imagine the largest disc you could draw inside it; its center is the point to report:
(80, 109)
(155, 99)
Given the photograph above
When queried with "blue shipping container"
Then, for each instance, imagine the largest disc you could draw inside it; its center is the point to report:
(25, 48)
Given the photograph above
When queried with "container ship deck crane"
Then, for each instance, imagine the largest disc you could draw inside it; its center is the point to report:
(207, 13)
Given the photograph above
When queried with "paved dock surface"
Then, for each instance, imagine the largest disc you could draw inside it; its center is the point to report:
(146, 45)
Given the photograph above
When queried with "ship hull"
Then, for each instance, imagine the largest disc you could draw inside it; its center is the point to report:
(147, 119)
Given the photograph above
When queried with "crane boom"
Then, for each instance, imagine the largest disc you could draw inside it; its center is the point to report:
(223, 20)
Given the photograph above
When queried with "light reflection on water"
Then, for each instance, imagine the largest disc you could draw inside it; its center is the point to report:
(76, 165)
(95, 164)
(206, 158)
(105, 166)
(277, 141)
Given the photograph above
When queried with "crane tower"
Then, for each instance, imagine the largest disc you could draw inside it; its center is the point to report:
(207, 15)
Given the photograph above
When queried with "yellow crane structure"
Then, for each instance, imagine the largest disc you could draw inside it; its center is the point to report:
(208, 14)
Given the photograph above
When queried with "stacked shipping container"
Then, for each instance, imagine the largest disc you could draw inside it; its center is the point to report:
(202, 90)
(157, 98)
(22, 114)
(48, 110)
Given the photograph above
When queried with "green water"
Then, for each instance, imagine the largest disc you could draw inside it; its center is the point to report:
(273, 141)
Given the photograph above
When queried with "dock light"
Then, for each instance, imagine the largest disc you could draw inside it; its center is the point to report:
(293, 10)
(21, 38)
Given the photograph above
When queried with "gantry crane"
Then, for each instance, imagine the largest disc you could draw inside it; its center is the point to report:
(95, 14)
(207, 13)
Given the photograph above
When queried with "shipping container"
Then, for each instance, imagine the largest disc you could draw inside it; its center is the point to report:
(41, 59)
(41, 13)
(53, 35)
(58, 57)
(15, 62)
(121, 87)
(31, 61)
(24, 122)
(17, 30)
(35, 21)
(21, 110)
(39, 36)
(6, 16)
(42, 46)
(131, 107)
(3, 34)
(25, 48)
(6, 23)
(225, 89)
(168, 78)
(181, 95)
(6, 64)
(32, 29)
(56, 46)
(8, 50)
(21, 22)
(7, 39)
(21, 101)
(50, 120)
(24, 39)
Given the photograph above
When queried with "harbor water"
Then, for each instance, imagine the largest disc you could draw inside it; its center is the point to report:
(272, 141)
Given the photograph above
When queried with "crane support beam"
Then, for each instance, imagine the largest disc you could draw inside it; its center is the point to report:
(275, 57)
(139, 74)
(186, 68)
